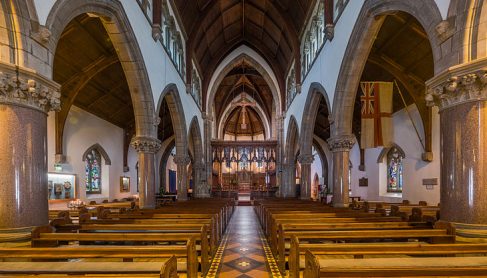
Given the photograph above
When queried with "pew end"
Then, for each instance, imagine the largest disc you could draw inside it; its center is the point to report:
(312, 265)
(36, 234)
(170, 268)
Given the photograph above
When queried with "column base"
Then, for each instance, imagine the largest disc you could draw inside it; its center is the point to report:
(340, 205)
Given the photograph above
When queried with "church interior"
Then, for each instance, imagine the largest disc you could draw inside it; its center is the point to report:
(243, 138)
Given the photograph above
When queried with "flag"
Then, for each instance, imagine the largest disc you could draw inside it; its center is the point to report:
(376, 101)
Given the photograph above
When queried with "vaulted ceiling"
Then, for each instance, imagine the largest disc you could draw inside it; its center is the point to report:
(243, 78)
(89, 71)
(249, 117)
(270, 27)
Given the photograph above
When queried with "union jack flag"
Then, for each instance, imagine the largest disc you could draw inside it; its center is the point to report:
(367, 98)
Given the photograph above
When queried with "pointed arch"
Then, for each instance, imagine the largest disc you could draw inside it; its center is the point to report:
(173, 99)
(370, 19)
(292, 140)
(163, 162)
(119, 30)
(194, 135)
(99, 149)
(385, 151)
(315, 94)
(235, 58)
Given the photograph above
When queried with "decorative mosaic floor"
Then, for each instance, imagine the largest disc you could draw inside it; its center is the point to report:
(244, 251)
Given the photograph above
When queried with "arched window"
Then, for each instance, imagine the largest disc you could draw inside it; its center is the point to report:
(394, 170)
(93, 172)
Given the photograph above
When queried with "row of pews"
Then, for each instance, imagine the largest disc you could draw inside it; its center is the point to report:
(124, 241)
(315, 240)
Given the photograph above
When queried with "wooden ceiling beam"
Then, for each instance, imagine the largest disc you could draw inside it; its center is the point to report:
(76, 84)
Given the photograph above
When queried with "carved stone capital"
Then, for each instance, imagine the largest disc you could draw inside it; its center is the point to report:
(445, 30)
(41, 34)
(182, 160)
(306, 159)
(458, 85)
(329, 32)
(145, 144)
(156, 32)
(341, 143)
(25, 87)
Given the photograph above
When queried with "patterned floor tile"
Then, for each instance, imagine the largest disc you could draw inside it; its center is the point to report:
(244, 252)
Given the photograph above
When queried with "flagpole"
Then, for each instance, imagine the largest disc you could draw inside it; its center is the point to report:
(409, 114)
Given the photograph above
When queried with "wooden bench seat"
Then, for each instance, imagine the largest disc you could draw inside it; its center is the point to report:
(188, 239)
(165, 269)
(393, 267)
(427, 235)
(359, 250)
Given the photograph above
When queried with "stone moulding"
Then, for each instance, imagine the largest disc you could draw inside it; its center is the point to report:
(25, 87)
(456, 85)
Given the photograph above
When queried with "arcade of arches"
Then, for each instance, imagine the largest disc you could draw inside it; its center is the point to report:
(177, 103)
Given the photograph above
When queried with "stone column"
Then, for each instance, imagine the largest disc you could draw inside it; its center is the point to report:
(201, 188)
(208, 120)
(289, 180)
(146, 148)
(461, 95)
(25, 99)
(306, 161)
(182, 163)
(280, 180)
(340, 147)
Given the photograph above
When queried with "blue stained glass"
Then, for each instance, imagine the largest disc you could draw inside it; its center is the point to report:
(394, 170)
(93, 172)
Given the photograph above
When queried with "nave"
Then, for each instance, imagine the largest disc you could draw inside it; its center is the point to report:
(272, 238)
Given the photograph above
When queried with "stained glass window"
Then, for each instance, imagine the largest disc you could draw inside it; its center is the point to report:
(93, 172)
(394, 170)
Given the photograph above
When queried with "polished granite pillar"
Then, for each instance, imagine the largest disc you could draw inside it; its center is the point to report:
(182, 163)
(461, 95)
(25, 99)
(305, 161)
(340, 147)
(146, 148)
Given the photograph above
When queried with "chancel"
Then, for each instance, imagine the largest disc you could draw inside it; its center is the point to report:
(243, 138)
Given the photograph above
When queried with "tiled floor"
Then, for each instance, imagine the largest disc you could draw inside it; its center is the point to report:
(244, 249)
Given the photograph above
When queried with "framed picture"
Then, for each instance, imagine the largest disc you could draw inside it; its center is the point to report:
(124, 184)
(61, 186)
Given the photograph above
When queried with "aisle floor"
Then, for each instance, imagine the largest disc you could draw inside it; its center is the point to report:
(244, 252)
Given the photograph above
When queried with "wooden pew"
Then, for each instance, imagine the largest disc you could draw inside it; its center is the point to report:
(164, 269)
(273, 235)
(359, 250)
(44, 236)
(159, 228)
(427, 235)
(392, 267)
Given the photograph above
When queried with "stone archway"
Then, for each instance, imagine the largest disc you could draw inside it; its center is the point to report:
(182, 159)
(315, 95)
(166, 152)
(118, 27)
(289, 166)
(366, 27)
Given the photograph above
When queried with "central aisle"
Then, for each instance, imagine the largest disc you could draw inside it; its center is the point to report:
(242, 252)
